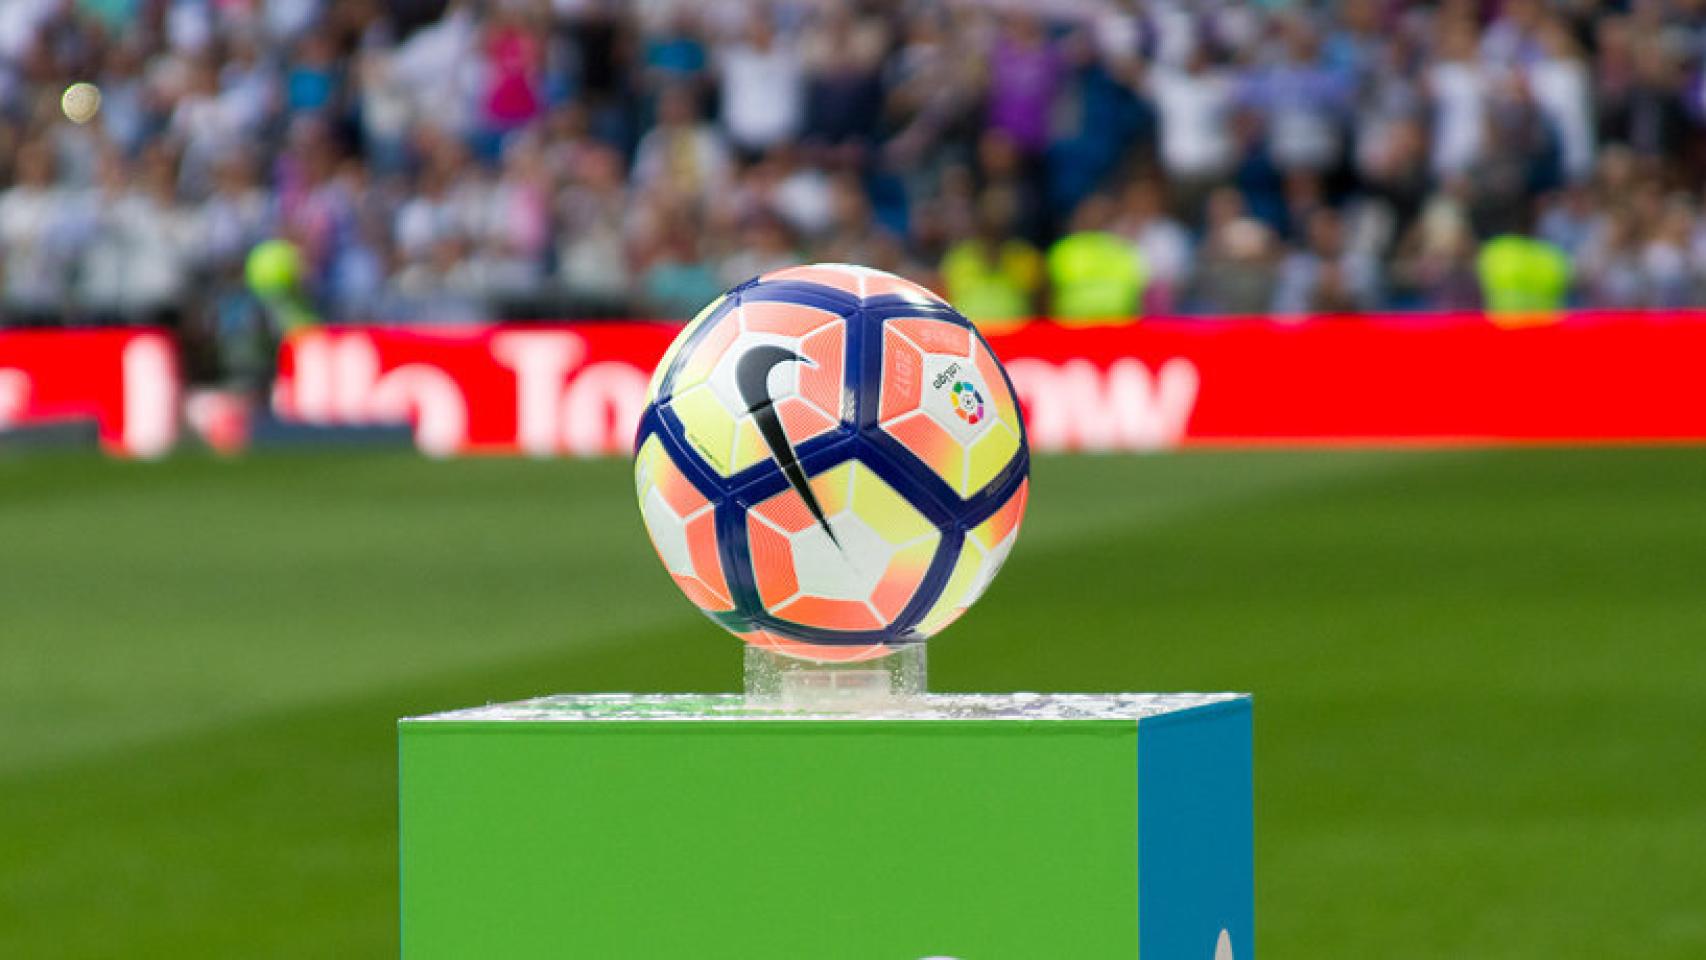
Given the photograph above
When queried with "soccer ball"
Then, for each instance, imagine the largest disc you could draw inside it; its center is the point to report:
(831, 462)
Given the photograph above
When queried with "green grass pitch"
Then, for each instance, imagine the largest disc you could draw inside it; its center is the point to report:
(1480, 677)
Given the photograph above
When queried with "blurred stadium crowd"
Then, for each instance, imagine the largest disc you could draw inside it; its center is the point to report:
(436, 160)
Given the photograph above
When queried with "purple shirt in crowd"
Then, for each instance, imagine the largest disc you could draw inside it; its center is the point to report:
(1022, 84)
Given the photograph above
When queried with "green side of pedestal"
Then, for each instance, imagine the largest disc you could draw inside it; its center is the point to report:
(778, 840)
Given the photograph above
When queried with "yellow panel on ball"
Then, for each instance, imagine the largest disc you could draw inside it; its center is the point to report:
(989, 454)
(675, 345)
(954, 598)
(886, 511)
(708, 424)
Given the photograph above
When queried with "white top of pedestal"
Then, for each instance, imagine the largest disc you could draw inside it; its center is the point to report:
(606, 707)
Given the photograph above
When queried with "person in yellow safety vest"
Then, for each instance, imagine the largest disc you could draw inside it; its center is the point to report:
(273, 271)
(994, 277)
(1096, 277)
(1523, 280)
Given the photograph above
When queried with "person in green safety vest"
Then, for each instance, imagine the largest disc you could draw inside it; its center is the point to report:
(994, 277)
(1523, 280)
(1096, 277)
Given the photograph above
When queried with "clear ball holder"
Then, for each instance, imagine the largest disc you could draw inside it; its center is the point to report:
(777, 681)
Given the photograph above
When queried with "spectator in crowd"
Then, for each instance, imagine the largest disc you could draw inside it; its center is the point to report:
(855, 236)
(1302, 101)
(1459, 85)
(237, 214)
(674, 53)
(592, 247)
(1327, 275)
(1197, 148)
(514, 61)
(36, 228)
(682, 153)
(1433, 267)
(1236, 262)
(763, 88)
(136, 265)
(680, 279)
(1648, 112)
(843, 51)
(765, 245)
(1238, 271)
(1022, 89)
(1163, 245)
(1559, 81)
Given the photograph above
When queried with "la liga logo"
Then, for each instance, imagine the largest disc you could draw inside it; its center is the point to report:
(968, 403)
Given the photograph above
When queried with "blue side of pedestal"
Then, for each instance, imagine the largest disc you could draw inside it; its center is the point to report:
(1196, 833)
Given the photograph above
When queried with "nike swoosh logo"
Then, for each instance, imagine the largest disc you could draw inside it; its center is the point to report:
(752, 376)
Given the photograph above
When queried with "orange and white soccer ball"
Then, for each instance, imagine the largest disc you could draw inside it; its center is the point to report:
(831, 462)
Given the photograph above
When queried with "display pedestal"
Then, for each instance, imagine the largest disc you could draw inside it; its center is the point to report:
(1014, 827)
